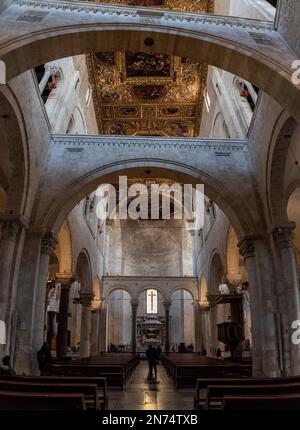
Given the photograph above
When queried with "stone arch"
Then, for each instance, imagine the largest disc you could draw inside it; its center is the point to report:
(64, 249)
(152, 287)
(216, 273)
(182, 321)
(233, 258)
(57, 212)
(208, 46)
(14, 161)
(118, 287)
(277, 158)
(186, 289)
(293, 211)
(119, 328)
(83, 272)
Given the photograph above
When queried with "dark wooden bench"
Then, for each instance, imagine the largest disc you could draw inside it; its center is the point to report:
(114, 374)
(11, 401)
(203, 383)
(186, 375)
(216, 393)
(184, 369)
(88, 390)
(99, 381)
(262, 403)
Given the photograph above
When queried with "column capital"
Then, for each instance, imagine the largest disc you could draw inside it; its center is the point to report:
(167, 304)
(283, 235)
(247, 247)
(49, 243)
(65, 279)
(11, 224)
(9, 229)
(134, 304)
(86, 298)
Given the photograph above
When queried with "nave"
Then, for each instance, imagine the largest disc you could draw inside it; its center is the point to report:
(144, 393)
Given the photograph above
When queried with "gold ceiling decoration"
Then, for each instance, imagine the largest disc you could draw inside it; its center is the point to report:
(137, 93)
(199, 6)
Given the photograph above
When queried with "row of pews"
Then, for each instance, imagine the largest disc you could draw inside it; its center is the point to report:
(116, 368)
(184, 369)
(248, 394)
(73, 385)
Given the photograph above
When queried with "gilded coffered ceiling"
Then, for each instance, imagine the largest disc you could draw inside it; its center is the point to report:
(142, 94)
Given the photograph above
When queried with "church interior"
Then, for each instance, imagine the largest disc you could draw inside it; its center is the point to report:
(140, 312)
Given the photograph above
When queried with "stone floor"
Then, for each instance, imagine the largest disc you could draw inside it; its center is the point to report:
(149, 394)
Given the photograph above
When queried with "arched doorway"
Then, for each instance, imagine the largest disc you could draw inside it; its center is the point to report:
(182, 322)
(83, 273)
(119, 321)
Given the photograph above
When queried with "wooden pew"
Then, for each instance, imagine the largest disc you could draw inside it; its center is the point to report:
(184, 369)
(186, 375)
(114, 374)
(116, 368)
(216, 393)
(88, 390)
(11, 401)
(99, 381)
(203, 383)
(262, 403)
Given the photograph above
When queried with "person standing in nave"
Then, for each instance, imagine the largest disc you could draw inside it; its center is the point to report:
(152, 357)
(44, 359)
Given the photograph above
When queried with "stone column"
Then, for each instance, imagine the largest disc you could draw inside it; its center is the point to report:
(213, 320)
(47, 247)
(134, 306)
(95, 332)
(66, 280)
(25, 360)
(260, 270)
(85, 333)
(198, 326)
(289, 288)
(106, 250)
(103, 327)
(247, 250)
(10, 229)
(167, 323)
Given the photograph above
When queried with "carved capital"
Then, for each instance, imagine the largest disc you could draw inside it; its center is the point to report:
(10, 229)
(283, 235)
(48, 244)
(134, 305)
(65, 279)
(86, 299)
(247, 248)
(167, 305)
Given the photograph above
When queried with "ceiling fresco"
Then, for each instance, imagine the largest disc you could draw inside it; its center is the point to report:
(144, 94)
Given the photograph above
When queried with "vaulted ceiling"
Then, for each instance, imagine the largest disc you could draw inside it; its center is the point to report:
(142, 94)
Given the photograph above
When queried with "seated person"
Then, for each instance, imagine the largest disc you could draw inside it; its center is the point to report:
(6, 369)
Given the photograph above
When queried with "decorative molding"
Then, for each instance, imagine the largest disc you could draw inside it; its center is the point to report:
(283, 235)
(247, 248)
(86, 299)
(49, 243)
(65, 279)
(167, 15)
(9, 229)
(88, 141)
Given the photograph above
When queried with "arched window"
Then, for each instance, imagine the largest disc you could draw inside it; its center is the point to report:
(151, 301)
